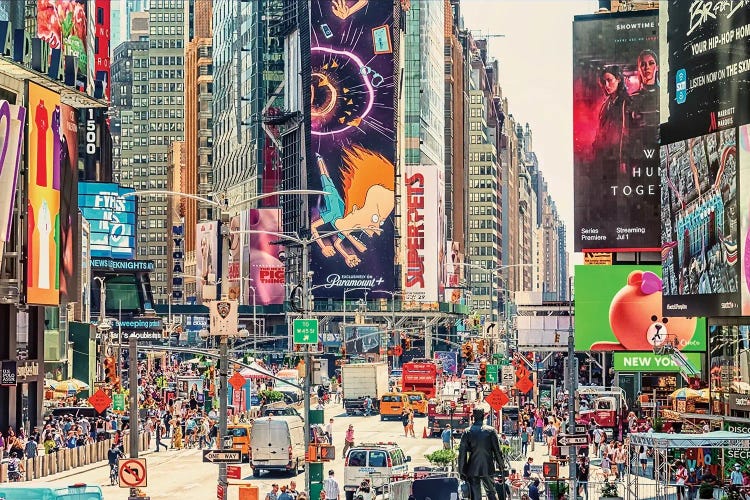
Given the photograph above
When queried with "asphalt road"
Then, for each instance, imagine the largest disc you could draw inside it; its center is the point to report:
(183, 475)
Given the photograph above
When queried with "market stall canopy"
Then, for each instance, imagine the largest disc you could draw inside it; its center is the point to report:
(255, 371)
(685, 393)
(70, 385)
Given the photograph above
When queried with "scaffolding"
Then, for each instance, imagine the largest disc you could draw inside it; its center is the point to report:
(661, 444)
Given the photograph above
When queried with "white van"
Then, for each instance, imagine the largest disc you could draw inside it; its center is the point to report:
(277, 443)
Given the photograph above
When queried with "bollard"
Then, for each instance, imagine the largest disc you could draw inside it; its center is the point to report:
(37, 467)
(75, 457)
(53, 461)
(28, 469)
(3, 473)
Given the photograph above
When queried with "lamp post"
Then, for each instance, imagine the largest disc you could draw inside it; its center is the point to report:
(223, 206)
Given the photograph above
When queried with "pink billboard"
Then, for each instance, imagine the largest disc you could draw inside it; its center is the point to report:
(262, 265)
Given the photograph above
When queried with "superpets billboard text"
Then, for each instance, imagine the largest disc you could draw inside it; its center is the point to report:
(616, 125)
(353, 144)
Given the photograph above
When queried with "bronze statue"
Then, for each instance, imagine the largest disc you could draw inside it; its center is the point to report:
(478, 453)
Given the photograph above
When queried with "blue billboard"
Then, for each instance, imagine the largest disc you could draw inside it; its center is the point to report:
(112, 219)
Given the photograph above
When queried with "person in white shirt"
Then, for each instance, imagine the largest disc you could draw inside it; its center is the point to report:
(329, 430)
(736, 476)
(331, 487)
(680, 477)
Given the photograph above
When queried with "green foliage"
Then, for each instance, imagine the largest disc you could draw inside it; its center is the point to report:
(609, 490)
(442, 457)
(271, 396)
(658, 424)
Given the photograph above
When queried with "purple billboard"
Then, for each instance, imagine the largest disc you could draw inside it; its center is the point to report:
(353, 140)
(262, 265)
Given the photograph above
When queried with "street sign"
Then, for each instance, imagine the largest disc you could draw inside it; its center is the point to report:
(234, 472)
(132, 473)
(491, 374)
(236, 381)
(497, 399)
(118, 401)
(550, 470)
(100, 401)
(219, 492)
(524, 385)
(580, 429)
(222, 456)
(306, 331)
(509, 375)
(572, 439)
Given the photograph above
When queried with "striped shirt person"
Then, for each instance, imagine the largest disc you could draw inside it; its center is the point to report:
(331, 487)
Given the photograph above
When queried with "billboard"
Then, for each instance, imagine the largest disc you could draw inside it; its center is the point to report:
(700, 261)
(62, 24)
(423, 245)
(619, 308)
(70, 263)
(12, 122)
(43, 233)
(206, 255)
(616, 127)
(98, 49)
(233, 258)
(352, 120)
(112, 219)
(744, 215)
(448, 360)
(263, 262)
(708, 52)
(542, 331)
(362, 339)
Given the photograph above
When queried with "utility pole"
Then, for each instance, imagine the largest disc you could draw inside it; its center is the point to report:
(572, 388)
(308, 368)
(133, 375)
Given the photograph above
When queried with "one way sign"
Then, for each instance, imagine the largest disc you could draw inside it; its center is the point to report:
(222, 456)
(572, 439)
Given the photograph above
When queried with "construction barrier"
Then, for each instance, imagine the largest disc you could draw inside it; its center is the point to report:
(70, 458)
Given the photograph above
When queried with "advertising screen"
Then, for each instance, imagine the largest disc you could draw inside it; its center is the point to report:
(43, 234)
(70, 263)
(619, 308)
(744, 215)
(700, 225)
(424, 226)
(362, 339)
(448, 360)
(353, 141)
(707, 88)
(12, 122)
(112, 219)
(616, 125)
(262, 263)
(206, 255)
(62, 24)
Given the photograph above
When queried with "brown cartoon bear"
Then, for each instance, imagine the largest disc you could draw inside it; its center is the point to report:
(636, 320)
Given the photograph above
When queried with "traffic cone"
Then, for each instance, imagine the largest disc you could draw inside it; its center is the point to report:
(424, 432)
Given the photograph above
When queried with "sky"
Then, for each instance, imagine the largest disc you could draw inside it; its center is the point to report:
(536, 74)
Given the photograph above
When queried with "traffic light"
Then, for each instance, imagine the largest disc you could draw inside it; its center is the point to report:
(468, 352)
(110, 369)
(482, 372)
(557, 337)
(407, 343)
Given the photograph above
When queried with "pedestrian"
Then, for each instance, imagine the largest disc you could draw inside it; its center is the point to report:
(643, 458)
(524, 440)
(292, 490)
(527, 468)
(160, 433)
(368, 406)
(534, 490)
(348, 440)
(692, 484)
(405, 422)
(447, 437)
(329, 430)
(31, 448)
(331, 487)
(273, 494)
(736, 476)
(681, 476)
(411, 424)
(582, 475)
(284, 494)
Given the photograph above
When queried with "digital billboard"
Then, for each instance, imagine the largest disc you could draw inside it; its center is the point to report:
(619, 308)
(233, 259)
(112, 219)
(423, 245)
(744, 215)
(616, 132)
(12, 122)
(98, 49)
(206, 255)
(43, 233)
(708, 51)
(70, 263)
(700, 225)
(362, 339)
(263, 260)
(353, 140)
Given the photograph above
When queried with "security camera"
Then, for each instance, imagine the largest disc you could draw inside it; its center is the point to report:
(104, 327)
(203, 333)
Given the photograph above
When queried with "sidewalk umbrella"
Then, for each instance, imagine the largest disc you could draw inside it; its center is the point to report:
(70, 385)
(258, 372)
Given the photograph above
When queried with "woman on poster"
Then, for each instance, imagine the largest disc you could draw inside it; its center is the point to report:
(611, 135)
